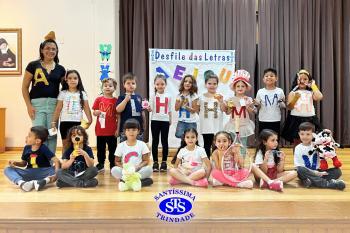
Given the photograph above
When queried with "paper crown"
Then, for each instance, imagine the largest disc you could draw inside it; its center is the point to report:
(241, 75)
(303, 71)
(50, 36)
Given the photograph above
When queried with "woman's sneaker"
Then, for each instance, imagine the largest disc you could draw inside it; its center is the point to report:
(155, 167)
(163, 167)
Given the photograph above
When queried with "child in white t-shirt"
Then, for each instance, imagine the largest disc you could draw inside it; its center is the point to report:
(210, 114)
(133, 151)
(189, 163)
(71, 102)
(270, 100)
(160, 121)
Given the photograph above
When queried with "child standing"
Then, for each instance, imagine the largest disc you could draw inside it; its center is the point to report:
(210, 114)
(189, 162)
(222, 141)
(78, 162)
(301, 103)
(36, 157)
(106, 124)
(134, 151)
(270, 160)
(160, 122)
(71, 102)
(187, 105)
(129, 105)
(239, 107)
(307, 162)
(270, 100)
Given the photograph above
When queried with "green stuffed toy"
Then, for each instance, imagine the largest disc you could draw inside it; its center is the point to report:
(131, 178)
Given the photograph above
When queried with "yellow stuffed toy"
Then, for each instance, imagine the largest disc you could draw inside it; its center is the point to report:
(131, 178)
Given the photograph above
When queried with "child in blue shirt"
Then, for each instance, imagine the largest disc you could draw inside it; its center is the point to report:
(36, 158)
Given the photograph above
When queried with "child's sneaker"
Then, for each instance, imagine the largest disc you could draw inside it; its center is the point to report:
(173, 181)
(201, 183)
(146, 182)
(39, 184)
(90, 183)
(27, 186)
(263, 184)
(61, 184)
(336, 184)
(215, 182)
(155, 167)
(163, 167)
(276, 185)
(100, 167)
(306, 183)
(248, 184)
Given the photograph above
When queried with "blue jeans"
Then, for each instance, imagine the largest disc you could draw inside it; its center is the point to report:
(17, 174)
(44, 109)
(182, 126)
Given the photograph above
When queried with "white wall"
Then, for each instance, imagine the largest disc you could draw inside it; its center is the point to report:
(80, 26)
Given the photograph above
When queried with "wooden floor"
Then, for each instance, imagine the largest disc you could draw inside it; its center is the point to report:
(219, 209)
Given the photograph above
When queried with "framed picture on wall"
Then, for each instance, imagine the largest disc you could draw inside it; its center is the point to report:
(10, 51)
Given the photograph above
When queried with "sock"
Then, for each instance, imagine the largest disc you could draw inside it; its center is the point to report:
(269, 182)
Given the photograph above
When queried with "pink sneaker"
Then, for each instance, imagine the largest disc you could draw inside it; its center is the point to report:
(276, 185)
(173, 181)
(201, 183)
(263, 184)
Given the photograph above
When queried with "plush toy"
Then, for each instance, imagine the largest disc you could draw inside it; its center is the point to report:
(325, 145)
(132, 179)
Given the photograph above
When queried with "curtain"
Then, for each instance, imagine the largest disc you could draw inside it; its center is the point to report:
(314, 35)
(184, 24)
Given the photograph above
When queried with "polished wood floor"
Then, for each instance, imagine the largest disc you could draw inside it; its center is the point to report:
(219, 209)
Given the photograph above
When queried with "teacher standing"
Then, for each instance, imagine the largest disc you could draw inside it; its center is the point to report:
(40, 86)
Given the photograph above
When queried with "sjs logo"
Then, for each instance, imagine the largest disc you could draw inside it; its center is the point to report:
(175, 205)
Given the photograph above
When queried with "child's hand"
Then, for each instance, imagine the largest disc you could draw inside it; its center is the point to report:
(321, 173)
(97, 112)
(256, 102)
(72, 156)
(282, 156)
(82, 152)
(127, 97)
(267, 155)
(219, 97)
(12, 163)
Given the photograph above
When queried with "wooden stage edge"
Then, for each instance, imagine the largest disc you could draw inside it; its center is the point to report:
(217, 209)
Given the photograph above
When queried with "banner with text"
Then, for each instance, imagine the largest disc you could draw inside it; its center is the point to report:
(175, 64)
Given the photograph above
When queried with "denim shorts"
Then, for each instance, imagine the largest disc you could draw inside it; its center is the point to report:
(182, 126)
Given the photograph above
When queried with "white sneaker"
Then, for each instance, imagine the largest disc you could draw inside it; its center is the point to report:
(248, 184)
(215, 182)
(27, 186)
